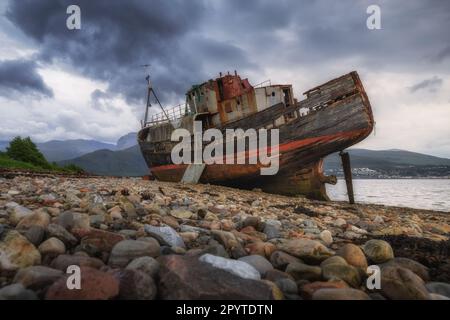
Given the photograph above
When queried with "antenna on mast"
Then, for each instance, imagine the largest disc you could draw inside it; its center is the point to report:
(150, 91)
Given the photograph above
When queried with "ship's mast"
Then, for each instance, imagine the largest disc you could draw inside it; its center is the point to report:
(150, 92)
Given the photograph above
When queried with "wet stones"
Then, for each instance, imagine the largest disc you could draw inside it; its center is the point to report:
(326, 237)
(35, 235)
(353, 255)
(63, 261)
(135, 285)
(57, 231)
(400, 283)
(305, 249)
(17, 252)
(378, 251)
(148, 265)
(236, 267)
(165, 235)
(37, 277)
(345, 272)
(95, 285)
(52, 247)
(39, 218)
(340, 294)
(416, 267)
(127, 250)
(18, 212)
(181, 214)
(230, 242)
(17, 291)
(301, 271)
(280, 260)
(183, 277)
(258, 262)
(440, 288)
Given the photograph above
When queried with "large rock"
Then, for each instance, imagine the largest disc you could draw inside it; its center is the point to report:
(95, 285)
(354, 256)
(181, 213)
(378, 251)
(409, 264)
(230, 242)
(337, 271)
(306, 249)
(264, 249)
(326, 237)
(35, 235)
(135, 285)
(39, 218)
(52, 246)
(236, 267)
(301, 271)
(147, 265)
(127, 250)
(66, 220)
(258, 262)
(307, 290)
(165, 235)
(18, 212)
(340, 294)
(81, 221)
(57, 231)
(280, 259)
(402, 284)
(439, 288)
(187, 278)
(96, 241)
(17, 291)
(17, 252)
(37, 277)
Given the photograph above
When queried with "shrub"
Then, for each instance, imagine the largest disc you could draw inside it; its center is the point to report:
(25, 150)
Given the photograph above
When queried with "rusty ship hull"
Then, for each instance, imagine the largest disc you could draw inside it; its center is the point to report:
(339, 116)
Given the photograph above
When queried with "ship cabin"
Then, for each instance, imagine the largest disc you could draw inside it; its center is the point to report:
(229, 98)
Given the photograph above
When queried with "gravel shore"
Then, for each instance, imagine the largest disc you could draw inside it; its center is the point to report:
(137, 239)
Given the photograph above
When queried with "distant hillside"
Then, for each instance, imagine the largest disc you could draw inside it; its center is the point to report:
(127, 162)
(390, 163)
(57, 150)
(362, 158)
(126, 141)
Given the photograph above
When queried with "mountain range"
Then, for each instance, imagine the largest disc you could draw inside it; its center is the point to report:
(59, 150)
(125, 159)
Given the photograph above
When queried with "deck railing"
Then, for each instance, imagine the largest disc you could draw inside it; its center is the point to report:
(171, 114)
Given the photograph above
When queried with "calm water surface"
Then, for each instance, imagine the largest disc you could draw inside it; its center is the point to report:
(431, 194)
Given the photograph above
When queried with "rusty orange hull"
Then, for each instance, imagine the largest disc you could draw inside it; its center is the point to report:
(342, 119)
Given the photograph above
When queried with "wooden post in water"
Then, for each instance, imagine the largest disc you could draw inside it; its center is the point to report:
(345, 158)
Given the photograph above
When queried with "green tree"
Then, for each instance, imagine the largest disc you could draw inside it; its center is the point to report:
(25, 150)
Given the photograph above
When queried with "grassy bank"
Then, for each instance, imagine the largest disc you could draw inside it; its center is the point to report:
(7, 162)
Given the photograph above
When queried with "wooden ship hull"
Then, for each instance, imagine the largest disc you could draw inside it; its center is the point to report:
(333, 117)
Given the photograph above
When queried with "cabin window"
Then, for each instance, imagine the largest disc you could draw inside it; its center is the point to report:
(273, 93)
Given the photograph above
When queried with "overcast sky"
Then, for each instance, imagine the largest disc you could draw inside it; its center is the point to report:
(57, 83)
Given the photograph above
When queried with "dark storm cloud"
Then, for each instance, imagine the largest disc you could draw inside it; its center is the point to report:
(190, 41)
(430, 84)
(20, 77)
(117, 37)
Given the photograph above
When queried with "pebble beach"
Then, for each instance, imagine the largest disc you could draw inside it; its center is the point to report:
(140, 239)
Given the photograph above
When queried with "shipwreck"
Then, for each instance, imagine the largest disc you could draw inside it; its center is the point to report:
(332, 117)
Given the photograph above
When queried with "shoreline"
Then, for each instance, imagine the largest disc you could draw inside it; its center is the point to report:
(107, 224)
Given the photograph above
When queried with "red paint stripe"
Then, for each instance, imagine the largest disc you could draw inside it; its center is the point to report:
(288, 146)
